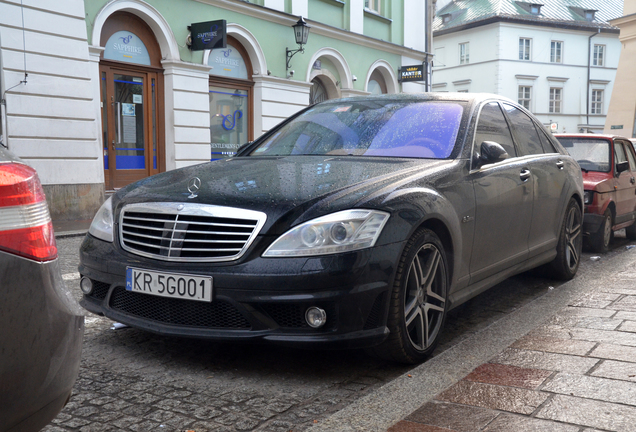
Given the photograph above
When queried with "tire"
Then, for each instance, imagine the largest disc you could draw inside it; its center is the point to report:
(566, 263)
(419, 301)
(600, 240)
(630, 231)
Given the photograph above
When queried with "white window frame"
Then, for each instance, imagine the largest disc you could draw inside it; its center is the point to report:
(554, 47)
(464, 53)
(526, 49)
(596, 101)
(373, 5)
(525, 100)
(556, 100)
(598, 56)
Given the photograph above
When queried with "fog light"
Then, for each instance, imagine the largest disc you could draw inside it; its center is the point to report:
(86, 285)
(315, 317)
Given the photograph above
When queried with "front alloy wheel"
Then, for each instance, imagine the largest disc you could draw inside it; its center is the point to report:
(418, 301)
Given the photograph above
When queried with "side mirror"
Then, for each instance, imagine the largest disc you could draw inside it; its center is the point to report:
(492, 152)
(622, 166)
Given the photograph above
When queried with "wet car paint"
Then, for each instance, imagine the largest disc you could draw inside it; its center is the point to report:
(41, 331)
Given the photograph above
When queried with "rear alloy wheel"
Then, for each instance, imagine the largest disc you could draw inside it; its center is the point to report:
(600, 240)
(568, 258)
(418, 301)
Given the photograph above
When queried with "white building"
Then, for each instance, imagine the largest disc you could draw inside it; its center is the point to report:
(557, 58)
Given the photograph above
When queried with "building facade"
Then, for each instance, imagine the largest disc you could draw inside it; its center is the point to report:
(558, 59)
(621, 116)
(114, 93)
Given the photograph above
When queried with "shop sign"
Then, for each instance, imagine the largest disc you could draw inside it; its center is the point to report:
(208, 35)
(127, 47)
(616, 127)
(411, 73)
(227, 62)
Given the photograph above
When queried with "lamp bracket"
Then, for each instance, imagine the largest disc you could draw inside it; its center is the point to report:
(289, 54)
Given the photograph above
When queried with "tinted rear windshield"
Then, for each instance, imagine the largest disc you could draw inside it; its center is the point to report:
(370, 128)
(592, 154)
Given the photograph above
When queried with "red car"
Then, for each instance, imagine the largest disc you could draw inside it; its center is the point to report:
(608, 163)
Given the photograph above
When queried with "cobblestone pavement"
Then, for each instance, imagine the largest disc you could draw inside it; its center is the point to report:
(575, 373)
(132, 380)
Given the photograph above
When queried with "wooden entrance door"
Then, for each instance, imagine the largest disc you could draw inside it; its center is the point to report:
(130, 124)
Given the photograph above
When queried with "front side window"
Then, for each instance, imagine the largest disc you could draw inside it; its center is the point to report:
(524, 48)
(388, 128)
(373, 5)
(599, 55)
(464, 54)
(525, 94)
(592, 154)
(492, 126)
(597, 102)
(556, 49)
(555, 100)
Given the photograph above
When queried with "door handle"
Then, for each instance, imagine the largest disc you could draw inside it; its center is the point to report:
(524, 174)
(560, 164)
(632, 180)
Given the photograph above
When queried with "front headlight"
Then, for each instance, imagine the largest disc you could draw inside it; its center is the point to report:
(588, 197)
(102, 225)
(335, 233)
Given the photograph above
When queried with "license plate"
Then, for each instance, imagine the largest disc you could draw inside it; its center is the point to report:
(172, 285)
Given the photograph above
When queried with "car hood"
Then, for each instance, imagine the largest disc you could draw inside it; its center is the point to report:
(289, 189)
(598, 181)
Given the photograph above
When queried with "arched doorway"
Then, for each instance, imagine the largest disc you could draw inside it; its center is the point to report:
(231, 99)
(317, 92)
(131, 86)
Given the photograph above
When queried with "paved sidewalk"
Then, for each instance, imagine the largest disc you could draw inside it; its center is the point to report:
(575, 371)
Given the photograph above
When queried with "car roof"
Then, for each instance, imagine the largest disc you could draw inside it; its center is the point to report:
(472, 98)
(588, 135)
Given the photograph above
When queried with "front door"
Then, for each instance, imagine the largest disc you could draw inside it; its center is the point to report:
(129, 120)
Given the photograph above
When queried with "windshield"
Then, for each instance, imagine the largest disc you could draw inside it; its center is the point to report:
(370, 128)
(592, 154)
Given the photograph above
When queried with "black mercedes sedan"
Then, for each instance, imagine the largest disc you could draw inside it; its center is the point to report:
(357, 222)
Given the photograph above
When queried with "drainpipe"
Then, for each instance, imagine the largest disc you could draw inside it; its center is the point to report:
(589, 67)
(428, 44)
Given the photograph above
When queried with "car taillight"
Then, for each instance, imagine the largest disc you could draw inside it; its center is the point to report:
(25, 224)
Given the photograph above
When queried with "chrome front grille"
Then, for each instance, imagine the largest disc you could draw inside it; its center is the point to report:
(188, 232)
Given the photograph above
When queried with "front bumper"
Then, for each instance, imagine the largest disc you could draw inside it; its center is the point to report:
(255, 299)
(591, 223)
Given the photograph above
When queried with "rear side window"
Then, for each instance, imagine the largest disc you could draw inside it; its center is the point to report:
(548, 146)
(492, 126)
(524, 131)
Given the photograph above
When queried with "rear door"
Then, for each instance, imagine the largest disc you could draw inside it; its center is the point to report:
(547, 168)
